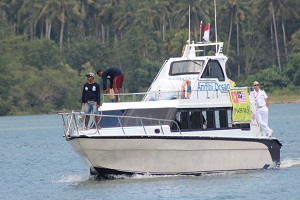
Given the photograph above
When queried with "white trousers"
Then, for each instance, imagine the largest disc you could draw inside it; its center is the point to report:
(263, 119)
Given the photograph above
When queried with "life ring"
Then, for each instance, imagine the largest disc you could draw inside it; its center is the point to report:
(186, 87)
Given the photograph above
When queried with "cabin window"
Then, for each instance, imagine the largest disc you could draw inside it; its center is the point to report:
(110, 121)
(160, 116)
(205, 119)
(220, 119)
(186, 67)
(182, 119)
(213, 69)
(209, 118)
(198, 120)
(229, 119)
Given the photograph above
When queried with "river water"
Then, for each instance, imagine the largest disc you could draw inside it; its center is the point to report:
(37, 163)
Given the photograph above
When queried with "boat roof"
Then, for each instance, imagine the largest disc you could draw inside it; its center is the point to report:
(177, 103)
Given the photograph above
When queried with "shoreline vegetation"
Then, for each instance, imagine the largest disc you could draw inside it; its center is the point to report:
(273, 99)
(47, 47)
(284, 99)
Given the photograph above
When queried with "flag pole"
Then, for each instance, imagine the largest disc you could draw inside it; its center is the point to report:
(216, 33)
(200, 31)
(189, 24)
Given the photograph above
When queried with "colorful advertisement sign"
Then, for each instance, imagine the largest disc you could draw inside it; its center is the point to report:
(241, 112)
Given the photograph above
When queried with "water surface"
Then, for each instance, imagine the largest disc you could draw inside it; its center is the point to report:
(37, 163)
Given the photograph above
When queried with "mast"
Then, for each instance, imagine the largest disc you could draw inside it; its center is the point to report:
(216, 33)
(189, 24)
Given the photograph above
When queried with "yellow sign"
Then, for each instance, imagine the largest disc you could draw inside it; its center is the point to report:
(241, 112)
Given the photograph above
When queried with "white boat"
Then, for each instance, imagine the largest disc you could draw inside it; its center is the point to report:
(164, 133)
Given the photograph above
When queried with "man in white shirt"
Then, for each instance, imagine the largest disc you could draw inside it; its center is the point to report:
(262, 110)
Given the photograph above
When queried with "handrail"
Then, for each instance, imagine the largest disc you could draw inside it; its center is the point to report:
(134, 95)
(194, 93)
(177, 92)
(71, 120)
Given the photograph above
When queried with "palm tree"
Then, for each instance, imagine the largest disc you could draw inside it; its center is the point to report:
(268, 7)
(286, 10)
(60, 9)
(80, 11)
(11, 12)
(237, 11)
(105, 10)
(231, 8)
(32, 13)
(3, 11)
(157, 12)
(124, 15)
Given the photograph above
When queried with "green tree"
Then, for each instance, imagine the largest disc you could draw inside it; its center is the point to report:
(84, 50)
(295, 42)
(7, 81)
(285, 10)
(293, 69)
(271, 79)
(267, 11)
(41, 53)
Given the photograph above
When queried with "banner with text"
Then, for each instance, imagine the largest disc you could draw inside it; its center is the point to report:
(241, 112)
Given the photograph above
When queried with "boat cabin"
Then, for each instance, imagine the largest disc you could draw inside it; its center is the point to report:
(190, 93)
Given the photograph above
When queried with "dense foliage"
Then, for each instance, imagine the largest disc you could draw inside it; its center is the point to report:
(46, 46)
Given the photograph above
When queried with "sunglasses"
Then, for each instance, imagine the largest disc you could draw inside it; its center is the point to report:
(256, 85)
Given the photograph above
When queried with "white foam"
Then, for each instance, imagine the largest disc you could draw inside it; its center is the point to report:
(73, 178)
(149, 176)
(295, 162)
(140, 176)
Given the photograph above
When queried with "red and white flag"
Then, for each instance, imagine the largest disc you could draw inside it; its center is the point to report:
(206, 32)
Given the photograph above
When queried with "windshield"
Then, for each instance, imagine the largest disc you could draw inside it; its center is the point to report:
(186, 67)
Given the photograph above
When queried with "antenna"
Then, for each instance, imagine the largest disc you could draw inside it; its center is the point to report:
(216, 33)
(189, 24)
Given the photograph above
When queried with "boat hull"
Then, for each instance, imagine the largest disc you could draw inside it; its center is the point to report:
(175, 155)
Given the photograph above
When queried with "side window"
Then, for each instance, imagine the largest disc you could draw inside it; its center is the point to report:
(186, 67)
(176, 69)
(229, 118)
(198, 120)
(209, 116)
(182, 119)
(206, 119)
(206, 72)
(220, 119)
(213, 70)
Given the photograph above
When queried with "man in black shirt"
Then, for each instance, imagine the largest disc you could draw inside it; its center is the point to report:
(116, 77)
(91, 99)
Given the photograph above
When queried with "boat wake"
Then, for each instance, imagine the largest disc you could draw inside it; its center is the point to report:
(154, 176)
(295, 162)
(73, 178)
(86, 177)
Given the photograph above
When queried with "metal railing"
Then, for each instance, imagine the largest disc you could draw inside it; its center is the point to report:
(175, 94)
(161, 95)
(73, 123)
(125, 97)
